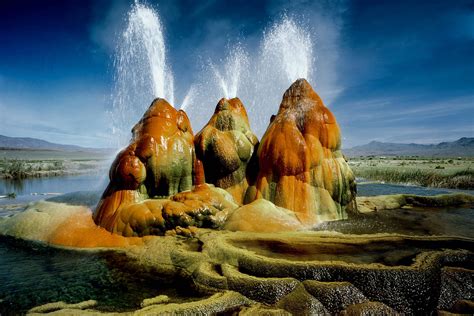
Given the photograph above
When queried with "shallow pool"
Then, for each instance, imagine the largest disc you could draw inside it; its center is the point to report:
(32, 274)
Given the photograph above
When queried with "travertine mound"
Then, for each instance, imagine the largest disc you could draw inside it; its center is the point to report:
(298, 167)
(225, 146)
(157, 163)
(204, 206)
(263, 216)
(301, 166)
(287, 273)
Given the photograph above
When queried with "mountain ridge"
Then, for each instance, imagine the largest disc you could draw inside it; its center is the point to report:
(463, 147)
(30, 143)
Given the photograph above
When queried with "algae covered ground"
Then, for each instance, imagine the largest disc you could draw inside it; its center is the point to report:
(452, 173)
(414, 268)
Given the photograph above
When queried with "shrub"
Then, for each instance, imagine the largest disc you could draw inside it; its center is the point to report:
(15, 169)
(58, 165)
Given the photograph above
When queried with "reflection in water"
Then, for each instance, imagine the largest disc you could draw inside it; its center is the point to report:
(52, 184)
(12, 185)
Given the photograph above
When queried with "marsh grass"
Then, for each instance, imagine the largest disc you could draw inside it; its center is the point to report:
(440, 173)
(21, 169)
(459, 180)
(15, 169)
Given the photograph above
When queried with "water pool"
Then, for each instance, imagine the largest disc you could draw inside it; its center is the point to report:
(32, 274)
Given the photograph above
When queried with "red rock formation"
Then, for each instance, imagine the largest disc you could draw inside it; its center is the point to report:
(225, 146)
(301, 167)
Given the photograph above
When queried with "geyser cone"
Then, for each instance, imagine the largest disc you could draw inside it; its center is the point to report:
(142, 70)
(158, 162)
(301, 167)
(151, 188)
(225, 146)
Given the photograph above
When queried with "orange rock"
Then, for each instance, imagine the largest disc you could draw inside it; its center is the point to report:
(301, 167)
(264, 217)
(158, 163)
(298, 166)
(225, 146)
(204, 206)
(79, 230)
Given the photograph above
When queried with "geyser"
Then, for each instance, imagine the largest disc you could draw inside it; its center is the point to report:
(233, 70)
(224, 78)
(157, 182)
(285, 54)
(142, 72)
(301, 166)
(258, 78)
(288, 45)
(226, 146)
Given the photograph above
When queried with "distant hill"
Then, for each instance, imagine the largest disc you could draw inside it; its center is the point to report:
(463, 147)
(27, 143)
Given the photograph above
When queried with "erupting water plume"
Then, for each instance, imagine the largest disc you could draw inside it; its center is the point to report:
(229, 76)
(188, 98)
(286, 54)
(142, 73)
(289, 45)
(141, 70)
(224, 79)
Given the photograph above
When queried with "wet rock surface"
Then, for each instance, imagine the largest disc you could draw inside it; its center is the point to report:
(369, 308)
(226, 146)
(157, 163)
(298, 167)
(409, 289)
(250, 217)
(204, 206)
(335, 296)
(457, 284)
(300, 302)
(301, 166)
(300, 272)
(249, 283)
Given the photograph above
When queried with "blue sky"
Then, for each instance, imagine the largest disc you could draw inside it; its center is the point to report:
(396, 71)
